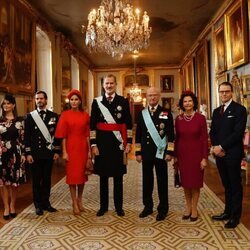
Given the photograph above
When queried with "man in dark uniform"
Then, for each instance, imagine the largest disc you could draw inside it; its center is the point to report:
(154, 147)
(227, 131)
(110, 138)
(41, 152)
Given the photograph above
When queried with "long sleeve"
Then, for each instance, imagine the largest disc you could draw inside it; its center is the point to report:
(204, 137)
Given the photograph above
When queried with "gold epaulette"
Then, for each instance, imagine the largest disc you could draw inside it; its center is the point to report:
(92, 134)
(170, 146)
(138, 147)
(129, 133)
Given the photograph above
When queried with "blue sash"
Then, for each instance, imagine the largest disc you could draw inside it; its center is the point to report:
(160, 143)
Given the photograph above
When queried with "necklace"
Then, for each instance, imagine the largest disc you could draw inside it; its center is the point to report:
(188, 118)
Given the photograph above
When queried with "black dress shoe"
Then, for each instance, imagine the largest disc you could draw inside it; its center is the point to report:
(39, 211)
(13, 215)
(6, 217)
(50, 209)
(232, 223)
(120, 212)
(219, 217)
(145, 212)
(101, 212)
(160, 216)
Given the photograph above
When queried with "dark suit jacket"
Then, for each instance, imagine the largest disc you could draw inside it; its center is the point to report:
(35, 143)
(145, 145)
(228, 129)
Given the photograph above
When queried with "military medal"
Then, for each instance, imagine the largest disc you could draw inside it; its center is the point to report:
(162, 125)
(119, 115)
(119, 108)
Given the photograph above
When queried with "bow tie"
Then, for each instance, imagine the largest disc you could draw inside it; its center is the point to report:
(42, 112)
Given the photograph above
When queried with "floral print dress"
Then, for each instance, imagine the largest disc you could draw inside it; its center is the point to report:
(12, 172)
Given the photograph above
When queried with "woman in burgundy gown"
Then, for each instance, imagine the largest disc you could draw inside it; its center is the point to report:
(73, 127)
(191, 151)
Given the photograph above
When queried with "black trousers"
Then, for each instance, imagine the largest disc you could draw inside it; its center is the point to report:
(161, 169)
(117, 192)
(230, 173)
(41, 181)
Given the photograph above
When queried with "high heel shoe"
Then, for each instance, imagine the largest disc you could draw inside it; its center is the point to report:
(6, 217)
(186, 217)
(76, 210)
(193, 218)
(13, 215)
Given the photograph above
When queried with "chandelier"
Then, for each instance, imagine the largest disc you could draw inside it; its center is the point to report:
(135, 91)
(116, 28)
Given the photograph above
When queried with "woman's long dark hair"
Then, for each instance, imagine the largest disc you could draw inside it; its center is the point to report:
(10, 98)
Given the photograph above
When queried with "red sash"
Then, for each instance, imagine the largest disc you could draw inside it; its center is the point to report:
(114, 127)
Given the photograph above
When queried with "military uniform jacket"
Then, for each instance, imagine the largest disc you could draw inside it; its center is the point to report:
(110, 161)
(35, 143)
(163, 121)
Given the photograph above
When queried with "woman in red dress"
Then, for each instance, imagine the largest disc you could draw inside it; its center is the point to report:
(191, 150)
(73, 127)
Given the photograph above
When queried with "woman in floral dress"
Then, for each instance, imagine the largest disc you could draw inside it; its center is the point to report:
(12, 171)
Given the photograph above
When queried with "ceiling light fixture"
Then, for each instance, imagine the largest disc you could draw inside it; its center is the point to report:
(116, 28)
(135, 91)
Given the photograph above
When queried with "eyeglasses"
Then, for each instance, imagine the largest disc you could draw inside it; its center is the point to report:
(224, 92)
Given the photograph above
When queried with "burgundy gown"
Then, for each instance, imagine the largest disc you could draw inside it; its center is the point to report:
(74, 127)
(191, 146)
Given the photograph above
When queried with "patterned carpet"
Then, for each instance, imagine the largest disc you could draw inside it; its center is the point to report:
(63, 230)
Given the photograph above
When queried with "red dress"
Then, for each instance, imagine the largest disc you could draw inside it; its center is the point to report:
(191, 145)
(74, 127)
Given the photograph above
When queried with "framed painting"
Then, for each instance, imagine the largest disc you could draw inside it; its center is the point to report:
(188, 75)
(236, 34)
(202, 76)
(17, 74)
(167, 83)
(167, 102)
(220, 52)
(141, 80)
(246, 84)
(4, 37)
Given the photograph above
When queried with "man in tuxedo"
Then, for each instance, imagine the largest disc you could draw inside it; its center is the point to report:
(154, 148)
(227, 131)
(41, 150)
(110, 139)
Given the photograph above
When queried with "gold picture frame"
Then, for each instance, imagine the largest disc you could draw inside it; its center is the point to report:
(236, 34)
(167, 83)
(220, 50)
(167, 102)
(202, 76)
(188, 75)
(17, 74)
(246, 84)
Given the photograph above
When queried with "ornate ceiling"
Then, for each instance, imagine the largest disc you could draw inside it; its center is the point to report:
(176, 25)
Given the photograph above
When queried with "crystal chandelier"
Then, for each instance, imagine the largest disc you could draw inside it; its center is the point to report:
(135, 91)
(116, 28)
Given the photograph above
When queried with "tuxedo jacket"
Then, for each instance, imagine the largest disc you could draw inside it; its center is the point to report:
(35, 143)
(228, 129)
(163, 121)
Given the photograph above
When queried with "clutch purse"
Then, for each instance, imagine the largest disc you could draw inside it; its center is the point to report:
(89, 169)
(177, 179)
